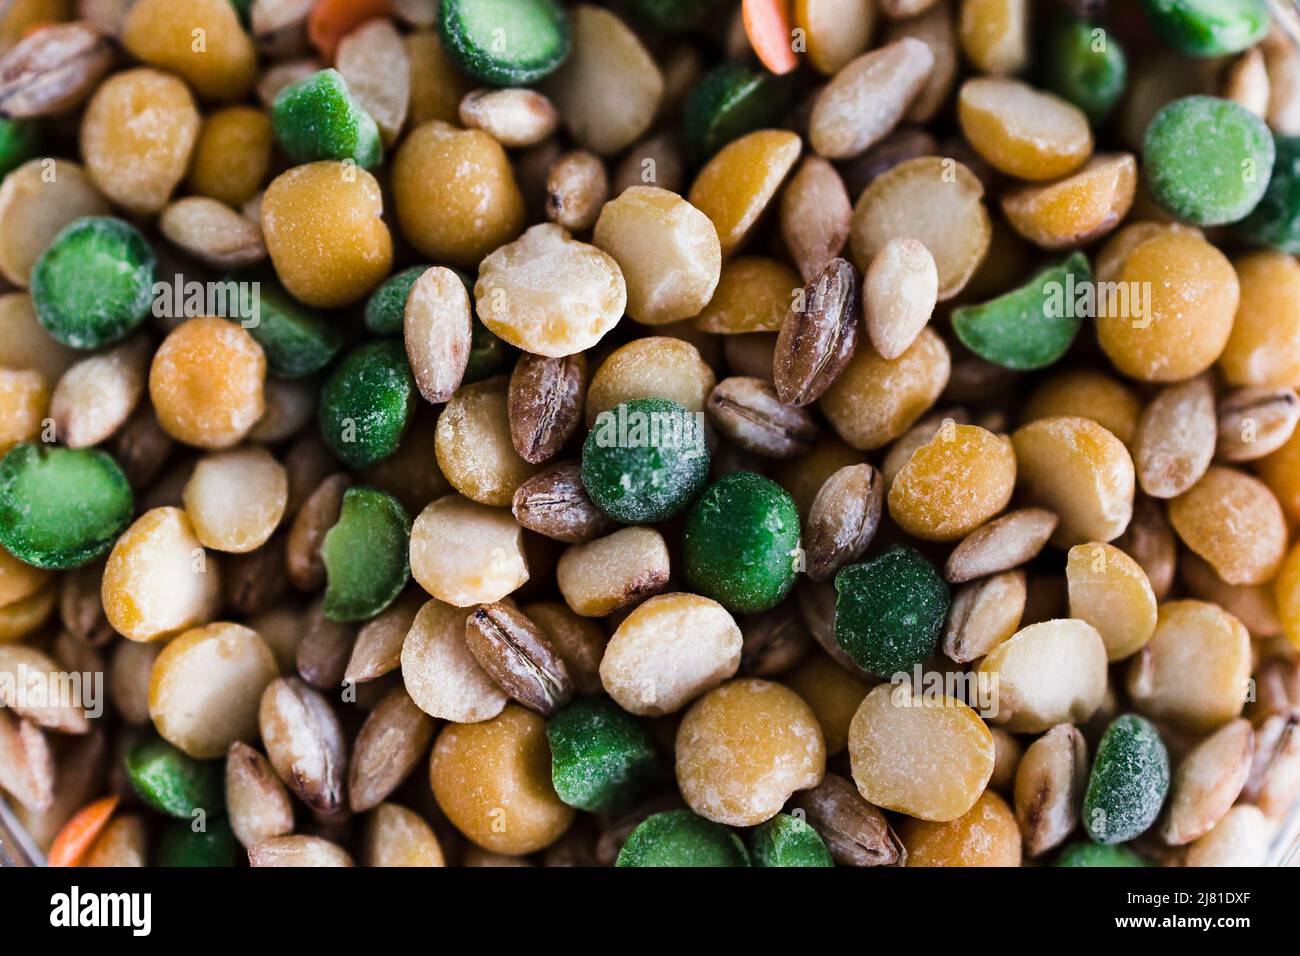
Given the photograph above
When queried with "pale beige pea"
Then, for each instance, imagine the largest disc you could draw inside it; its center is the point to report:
(236, 499)
(668, 651)
(466, 553)
(297, 851)
(1193, 671)
(1207, 782)
(651, 367)
(441, 675)
(159, 580)
(514, 117)
(1233, 521)
(667, 249)
(1048, 673)
(938, 202)
(609, 89)
(473, 444)
(601, 576)
(927, 758)
(206, 685)
(37, 200)
(867, 98)
(1175, 438)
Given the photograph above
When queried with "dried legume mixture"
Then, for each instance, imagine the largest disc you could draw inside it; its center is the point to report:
(670, 433)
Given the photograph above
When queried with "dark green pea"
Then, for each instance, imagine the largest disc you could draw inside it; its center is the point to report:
(367, 403)
(787, 840)
(680, 838)
(673, 16)
(1129, 782)
(1209, 27)
(215, 845)
(889, 612)
(729, 101)
(317, 118)
(1207, 160)
(298, 341)
(1083, 853)
(741, 543)
(1085, 64)
(644, 460)
(487, 354)
(243, 10)
(94, 284)
(1276, 220)
(602, 758)
(19, 141)
(366, 555)
(61, 507)
(1030, 327)
(386, 307)
(174, 783)
(505, 42)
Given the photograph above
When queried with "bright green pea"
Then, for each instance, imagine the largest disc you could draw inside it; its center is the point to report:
(1129, 782)
(215, 845)
(19, 141)
(1030, 327)
(386, 307)
(94, 284)
(317, 118)
(890, 611)
(505, 42)
(1084, 853)
(367, 403)
(1209, 27)
(729, 101)
(602, 758)
(1085, 64)
(366, 555)
(61, 507)
(174, 783)
(1276, 220)
(680, 838)
(741, 543)
(298, 341)
(644, 460)
(787, 840)
(1207, 160)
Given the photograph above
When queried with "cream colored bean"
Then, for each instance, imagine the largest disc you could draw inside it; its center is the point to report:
(1175, 438)
(441, 675)
(984, 613)
(1049, 673)
(576, 190)
(206, 685)
(236, 498)
(395, 836)
(213, 233)
(1049, 788)
(159, 581)
(927, 758)
(1207, 783)
(96, 396)
(601, 576)
(667, 250)
(655, 366)
(898, 295)
(37, 200)
(1193, 671)
(668, 651)
(465, 553)
(297, 851)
